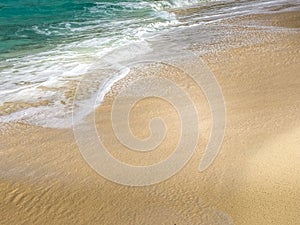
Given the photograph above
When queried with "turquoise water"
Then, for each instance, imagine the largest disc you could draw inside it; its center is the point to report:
(34, 25)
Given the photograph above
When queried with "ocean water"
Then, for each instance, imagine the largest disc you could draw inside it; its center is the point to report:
(46, 46)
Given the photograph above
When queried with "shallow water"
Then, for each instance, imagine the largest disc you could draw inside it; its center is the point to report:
(46, 47)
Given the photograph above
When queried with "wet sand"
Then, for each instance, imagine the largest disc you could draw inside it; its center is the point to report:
(254, 180)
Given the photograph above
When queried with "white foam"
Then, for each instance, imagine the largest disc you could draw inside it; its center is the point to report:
(108, 83)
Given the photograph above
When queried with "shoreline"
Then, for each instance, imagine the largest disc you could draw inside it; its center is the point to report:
(254, 180)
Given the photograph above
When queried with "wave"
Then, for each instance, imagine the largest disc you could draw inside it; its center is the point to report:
(47, 46)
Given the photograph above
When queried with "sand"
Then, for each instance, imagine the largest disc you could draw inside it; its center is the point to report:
(254, 180)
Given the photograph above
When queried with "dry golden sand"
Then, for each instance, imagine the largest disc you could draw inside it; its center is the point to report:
(254, 180)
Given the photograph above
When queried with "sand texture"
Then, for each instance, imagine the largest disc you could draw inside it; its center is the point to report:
(254, 180)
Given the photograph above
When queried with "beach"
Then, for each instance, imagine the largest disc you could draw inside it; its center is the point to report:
(255, 179)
